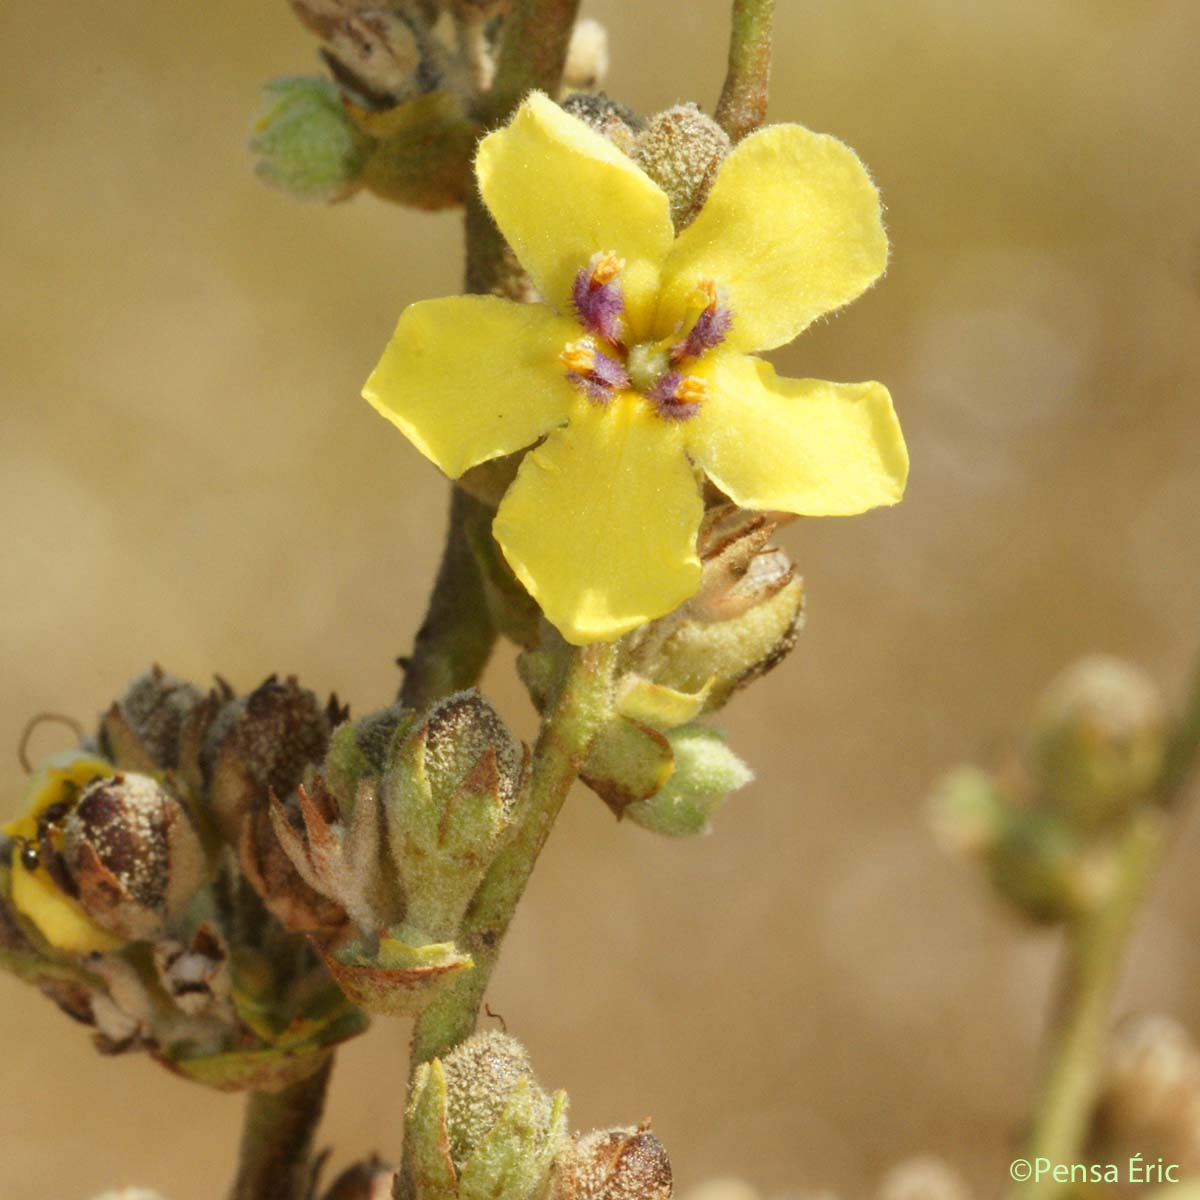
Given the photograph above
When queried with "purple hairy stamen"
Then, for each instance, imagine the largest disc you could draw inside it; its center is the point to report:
(670, 397)
(708, 332)
(599, 306)
(602, 379)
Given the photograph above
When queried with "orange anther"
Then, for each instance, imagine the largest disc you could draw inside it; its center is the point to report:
(579, 357)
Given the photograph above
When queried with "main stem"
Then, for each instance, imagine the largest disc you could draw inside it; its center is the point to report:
(583, 701)
(275, 1158)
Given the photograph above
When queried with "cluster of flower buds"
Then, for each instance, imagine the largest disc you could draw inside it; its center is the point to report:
(654, 762)
(480, 1124)
(397, 118)
(1049, 828)
(396, 834)
(121, 898)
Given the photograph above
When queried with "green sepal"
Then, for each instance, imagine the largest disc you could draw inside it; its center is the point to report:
(626, 763)
(395, 977)
(706, 772)
(427, 1136)
(513, 1160)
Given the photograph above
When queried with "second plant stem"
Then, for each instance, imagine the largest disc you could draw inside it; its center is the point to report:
(583, 700)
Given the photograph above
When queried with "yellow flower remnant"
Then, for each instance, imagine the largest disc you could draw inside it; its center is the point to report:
(600, 523)
(59, 918)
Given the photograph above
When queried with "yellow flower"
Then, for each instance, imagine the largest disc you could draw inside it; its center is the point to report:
(59, 918)
(636, 369)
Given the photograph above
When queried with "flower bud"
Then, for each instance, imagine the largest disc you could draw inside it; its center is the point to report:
(361, 749)
(133, 854)
(706, 772)
(372, 1180)
(422, 150)
(305, 143)
(1040, 865)
(1099, 735)
(155, 724)
(613, 1164)
(480, 1125)
(681, 149)
(449, 796)
(586, 67)
(741, 623)
(616, 122)
(263, 743)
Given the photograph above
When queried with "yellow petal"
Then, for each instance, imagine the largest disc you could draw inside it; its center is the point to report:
(469, 378)
(791, 229)
(799, 445)
(560, 192)
(59, 919)
(600, 525)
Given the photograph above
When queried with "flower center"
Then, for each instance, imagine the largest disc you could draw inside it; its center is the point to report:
(652, 368)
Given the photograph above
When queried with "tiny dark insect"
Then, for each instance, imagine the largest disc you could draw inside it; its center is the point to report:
(41, 851)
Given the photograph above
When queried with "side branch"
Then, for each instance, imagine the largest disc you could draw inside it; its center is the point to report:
(456, 638)
(742, 107)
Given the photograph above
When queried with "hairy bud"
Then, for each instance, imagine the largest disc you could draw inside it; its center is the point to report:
(480, 1125)
(156, 724)
(133, 854)
(1098, 740)
(740, 624)
(305, 143)
(263, 743)
(449, 798)
(371, 1180)
(681, 149)
(608, 117)
(613, 1164)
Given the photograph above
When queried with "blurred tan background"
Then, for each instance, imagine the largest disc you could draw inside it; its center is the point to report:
(187, 476)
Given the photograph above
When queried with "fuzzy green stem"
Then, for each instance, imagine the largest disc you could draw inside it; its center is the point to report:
(275, 1160)
(533, 52)
(456, 638)
(742, 107)
(1094, 952)
(583, 702)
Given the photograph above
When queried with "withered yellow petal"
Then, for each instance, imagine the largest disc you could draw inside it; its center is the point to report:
(600, 525)
(791, 230)
(468, 378)
(800, 445)
(560, 193)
